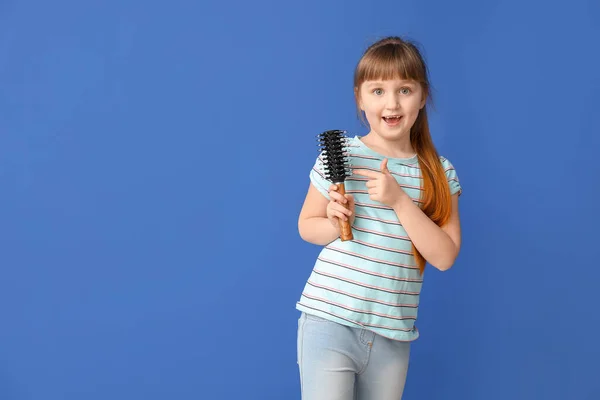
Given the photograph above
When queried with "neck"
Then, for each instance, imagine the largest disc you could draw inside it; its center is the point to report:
(397, 148)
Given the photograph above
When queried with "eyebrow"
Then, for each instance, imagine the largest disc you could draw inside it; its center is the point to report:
(379, 83)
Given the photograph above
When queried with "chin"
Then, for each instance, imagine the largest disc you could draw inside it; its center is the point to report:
(392, 133)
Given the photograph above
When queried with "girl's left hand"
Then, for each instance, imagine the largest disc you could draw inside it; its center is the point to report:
(382, 186)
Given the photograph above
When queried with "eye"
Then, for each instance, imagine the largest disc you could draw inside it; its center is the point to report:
(378, 92)
(405, 90)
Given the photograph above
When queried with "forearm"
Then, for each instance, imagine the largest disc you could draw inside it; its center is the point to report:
(318, 230)
(433, 243)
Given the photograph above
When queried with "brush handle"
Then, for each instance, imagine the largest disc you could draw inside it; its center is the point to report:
(345, 228)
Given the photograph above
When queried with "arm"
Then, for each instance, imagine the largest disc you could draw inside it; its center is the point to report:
(313, 224)
(318, 221)
(439, 246)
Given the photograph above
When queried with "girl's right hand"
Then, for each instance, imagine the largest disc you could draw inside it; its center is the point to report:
(337, 207)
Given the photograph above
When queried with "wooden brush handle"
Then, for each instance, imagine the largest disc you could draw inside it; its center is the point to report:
(345, 228)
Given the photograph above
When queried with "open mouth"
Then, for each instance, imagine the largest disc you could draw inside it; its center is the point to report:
(392, 119)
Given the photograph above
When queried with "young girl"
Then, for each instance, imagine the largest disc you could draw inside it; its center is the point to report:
(359, 306)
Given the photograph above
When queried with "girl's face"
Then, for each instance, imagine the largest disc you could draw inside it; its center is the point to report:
(391, 106)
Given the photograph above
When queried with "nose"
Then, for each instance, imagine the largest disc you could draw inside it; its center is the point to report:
(392, 101)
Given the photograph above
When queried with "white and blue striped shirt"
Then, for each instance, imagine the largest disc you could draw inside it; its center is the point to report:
(370, 282)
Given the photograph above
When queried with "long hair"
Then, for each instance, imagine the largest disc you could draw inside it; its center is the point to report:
(395, 58)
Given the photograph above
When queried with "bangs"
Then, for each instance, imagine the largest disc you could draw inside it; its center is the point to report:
(391, 61)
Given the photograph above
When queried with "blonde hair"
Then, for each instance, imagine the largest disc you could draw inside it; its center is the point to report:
(395, 58)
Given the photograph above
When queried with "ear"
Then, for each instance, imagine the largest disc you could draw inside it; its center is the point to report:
(357, 98)
(423, 101)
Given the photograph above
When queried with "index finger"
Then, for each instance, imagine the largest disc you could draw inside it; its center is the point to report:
(365, 172)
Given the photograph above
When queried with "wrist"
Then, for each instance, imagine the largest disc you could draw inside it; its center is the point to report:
(401, 203)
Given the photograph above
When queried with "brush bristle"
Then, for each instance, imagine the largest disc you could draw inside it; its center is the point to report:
(335, 159)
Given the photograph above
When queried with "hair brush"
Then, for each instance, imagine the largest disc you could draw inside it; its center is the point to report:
(335, 164)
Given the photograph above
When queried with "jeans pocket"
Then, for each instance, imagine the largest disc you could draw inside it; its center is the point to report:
(299, 337)
(315, 318)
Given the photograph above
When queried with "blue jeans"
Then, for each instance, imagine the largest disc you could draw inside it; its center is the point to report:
(338, 362)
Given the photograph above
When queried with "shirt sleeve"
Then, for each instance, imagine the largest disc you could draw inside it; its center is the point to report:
(452, 176)
(317, 177)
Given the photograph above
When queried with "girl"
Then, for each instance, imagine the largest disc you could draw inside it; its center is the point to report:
(359, 306)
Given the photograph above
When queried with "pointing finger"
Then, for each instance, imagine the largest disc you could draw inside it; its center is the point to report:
(365, 172)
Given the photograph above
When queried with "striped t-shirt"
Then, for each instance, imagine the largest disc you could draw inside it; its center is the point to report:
(370, 282)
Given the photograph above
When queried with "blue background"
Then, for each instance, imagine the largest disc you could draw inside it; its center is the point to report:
(154, 157)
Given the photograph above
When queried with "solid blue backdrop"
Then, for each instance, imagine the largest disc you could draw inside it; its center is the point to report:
(154, 157)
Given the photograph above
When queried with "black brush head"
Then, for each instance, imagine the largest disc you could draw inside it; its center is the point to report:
(335, 159)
